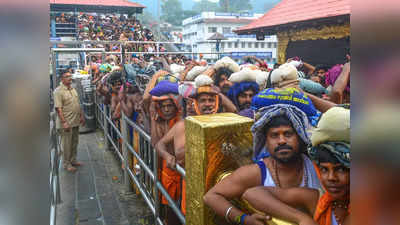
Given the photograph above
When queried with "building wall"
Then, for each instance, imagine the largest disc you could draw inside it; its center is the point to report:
(196, 32)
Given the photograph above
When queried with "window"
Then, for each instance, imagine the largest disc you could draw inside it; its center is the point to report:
(269, 44)
(275, 45)
(212, 29)
(226, 30)
(243, 45)
(256, 45)
(229, 44)
(236, 45)
(250, 45)
(222, 44)
(262, 45)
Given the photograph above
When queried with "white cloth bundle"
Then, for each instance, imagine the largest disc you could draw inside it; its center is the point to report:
(195, 71)
(227, 63)
(284, 73)
(175, 68)
(245, 74)
(203, 80)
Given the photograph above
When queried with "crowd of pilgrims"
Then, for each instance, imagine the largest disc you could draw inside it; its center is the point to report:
(301, 148)
(111, 27)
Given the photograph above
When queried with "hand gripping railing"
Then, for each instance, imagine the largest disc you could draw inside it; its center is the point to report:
(147, 179)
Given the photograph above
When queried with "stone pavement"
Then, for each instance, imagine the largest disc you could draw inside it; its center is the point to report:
(95, 194)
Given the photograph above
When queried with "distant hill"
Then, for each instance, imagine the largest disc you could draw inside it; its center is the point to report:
(258, 5)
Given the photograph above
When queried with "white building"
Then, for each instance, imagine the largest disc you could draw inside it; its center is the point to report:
(197, 30)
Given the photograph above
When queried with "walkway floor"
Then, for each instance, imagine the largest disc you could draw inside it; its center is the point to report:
(95, 194)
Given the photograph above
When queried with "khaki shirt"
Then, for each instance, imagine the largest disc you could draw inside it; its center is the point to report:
(68, 101)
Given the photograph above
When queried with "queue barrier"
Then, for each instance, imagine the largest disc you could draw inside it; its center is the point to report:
(144, 175)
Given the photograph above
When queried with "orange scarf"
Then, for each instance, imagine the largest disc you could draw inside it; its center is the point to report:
(323, 211)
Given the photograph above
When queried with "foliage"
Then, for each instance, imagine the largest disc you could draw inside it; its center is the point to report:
(235, 5)
(204, 6)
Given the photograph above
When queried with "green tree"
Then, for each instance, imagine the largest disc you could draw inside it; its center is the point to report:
(235, 5)
(188, 13)
(205, 5)
(172, 12)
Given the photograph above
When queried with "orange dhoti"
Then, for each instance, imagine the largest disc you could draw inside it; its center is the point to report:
(183, 204)
(171, 180)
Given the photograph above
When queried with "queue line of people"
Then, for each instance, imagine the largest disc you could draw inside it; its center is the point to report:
(284, 104)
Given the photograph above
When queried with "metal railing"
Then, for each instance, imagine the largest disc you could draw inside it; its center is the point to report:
(55, 197)
(146, 176)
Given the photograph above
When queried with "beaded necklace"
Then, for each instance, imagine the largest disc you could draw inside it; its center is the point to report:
(278, 182)
(336, 205)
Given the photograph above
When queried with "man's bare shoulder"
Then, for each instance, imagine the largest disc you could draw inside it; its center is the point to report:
(248, 172)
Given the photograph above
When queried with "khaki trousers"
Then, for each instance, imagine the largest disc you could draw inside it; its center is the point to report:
(69, 145)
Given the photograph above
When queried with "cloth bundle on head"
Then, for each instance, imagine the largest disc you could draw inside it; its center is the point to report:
(227, 63)
(261, 79)
(187, 89)
(333, 74)
(312, 87)
(245, 74)
(290, 96)
(334, 126)
(165, 87)
(333, 135)
(175, 68)
(248, 66)
(195, 71)
(264, 115)
(285, 76)
(168, 77)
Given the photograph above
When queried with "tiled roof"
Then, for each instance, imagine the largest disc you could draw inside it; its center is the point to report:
(121, 3)
(290, 11)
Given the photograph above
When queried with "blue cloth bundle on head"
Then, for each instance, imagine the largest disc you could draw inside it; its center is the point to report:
(290, 96)
(131, 72)
(312, 87)
(240, 87)
(165, 87)
(264, 115)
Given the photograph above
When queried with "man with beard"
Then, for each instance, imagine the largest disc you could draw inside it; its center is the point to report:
(281, 129)
(331, 153)
(221, 79)
(242, 93)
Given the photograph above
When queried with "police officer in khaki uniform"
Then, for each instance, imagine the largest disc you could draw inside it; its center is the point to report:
(70, 116)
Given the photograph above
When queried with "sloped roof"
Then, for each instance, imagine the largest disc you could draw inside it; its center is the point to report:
(291, 11)
(120, 3)
(217, 36)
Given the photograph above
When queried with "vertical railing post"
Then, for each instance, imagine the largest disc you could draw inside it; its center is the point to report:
(125, 152)
(105, 127)
(158, 49)
(156, 199)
